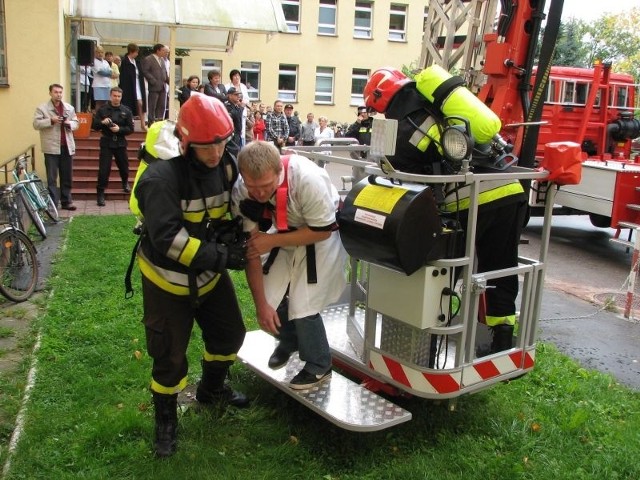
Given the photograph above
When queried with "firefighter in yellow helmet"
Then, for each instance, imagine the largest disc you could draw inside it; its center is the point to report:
(419, 107)
(185, 250)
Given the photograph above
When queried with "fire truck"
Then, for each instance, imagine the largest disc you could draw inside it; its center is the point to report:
(409, 323)
(540, 104)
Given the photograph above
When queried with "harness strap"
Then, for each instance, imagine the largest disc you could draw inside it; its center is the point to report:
(282, 196)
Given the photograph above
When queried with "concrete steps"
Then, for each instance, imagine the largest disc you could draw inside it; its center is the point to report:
(85, 168)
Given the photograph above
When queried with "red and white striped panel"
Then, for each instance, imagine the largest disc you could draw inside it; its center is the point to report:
(485, 370)
(427, 382)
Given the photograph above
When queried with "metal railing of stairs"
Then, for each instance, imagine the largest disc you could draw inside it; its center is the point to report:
(29, 152)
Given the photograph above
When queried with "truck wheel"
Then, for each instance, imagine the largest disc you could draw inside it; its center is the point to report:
(600, 221)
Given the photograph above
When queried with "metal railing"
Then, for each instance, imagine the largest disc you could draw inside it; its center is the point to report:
(30, 152)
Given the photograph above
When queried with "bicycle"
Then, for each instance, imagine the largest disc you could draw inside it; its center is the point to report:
(18, 256)
(35, 196)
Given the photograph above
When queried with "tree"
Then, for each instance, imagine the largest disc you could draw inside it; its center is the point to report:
(616, 39)
(570, 50)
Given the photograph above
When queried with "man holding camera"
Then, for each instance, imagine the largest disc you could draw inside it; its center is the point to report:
(56, 120)
(115, 121)
(188, 243)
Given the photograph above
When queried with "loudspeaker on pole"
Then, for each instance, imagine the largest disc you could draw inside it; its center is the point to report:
(86, 52)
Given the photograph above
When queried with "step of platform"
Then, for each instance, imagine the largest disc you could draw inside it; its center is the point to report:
(339, 400)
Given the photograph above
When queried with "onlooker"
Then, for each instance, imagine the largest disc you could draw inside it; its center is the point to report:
(234, 76)
(192, 86)
(258, 126)
(184, 266)
(155, 72)
(132, 84)
(101, 78)
(56, 120)
(308, 130)
(214, 88)
(294, 126)
(115, 68)
(249, 123)
(323, 132)
(278, 126)
(235, 109)
(361, 130)
(115, 121)
(297, 283)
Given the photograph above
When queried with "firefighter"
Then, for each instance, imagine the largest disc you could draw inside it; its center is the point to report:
(502, 203)
(184, 264)
(361, 130)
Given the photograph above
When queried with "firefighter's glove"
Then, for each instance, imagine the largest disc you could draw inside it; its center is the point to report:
(236, 258)
(230, 241)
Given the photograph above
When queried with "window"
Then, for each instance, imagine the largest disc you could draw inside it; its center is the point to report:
(362, 21)
(359, 77)
(250, 76)
(568, 92)
(291, 9)
(327, 17)
(397, 23)
(287, 82)
(207, 65)
(324, 85)
(621, 97)
(4, 74)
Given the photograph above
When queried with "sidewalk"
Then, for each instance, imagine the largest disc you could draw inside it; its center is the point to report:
(89, 207)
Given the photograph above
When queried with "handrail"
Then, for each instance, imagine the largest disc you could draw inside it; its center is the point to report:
(4, 165)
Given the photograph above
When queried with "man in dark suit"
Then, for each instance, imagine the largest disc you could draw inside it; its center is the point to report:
(155, 71)
(134, 92)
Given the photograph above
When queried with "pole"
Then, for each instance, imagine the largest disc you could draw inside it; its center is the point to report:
(632, 277)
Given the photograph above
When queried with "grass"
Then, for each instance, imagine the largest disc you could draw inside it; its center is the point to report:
(90, 417)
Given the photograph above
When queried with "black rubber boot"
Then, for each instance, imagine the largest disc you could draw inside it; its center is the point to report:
(166, 413)
(502, 338)
(213, 390)
(101, 201)
(125, 187)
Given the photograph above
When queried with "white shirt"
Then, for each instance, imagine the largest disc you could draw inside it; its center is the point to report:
(313, 201)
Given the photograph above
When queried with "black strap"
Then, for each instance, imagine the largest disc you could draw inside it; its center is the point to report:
(128, 286)
(312, 274)
(443, 90)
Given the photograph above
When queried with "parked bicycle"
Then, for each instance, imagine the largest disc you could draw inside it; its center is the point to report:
(35, 196)
(18, 256)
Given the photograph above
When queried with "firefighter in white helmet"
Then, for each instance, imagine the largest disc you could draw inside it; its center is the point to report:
(502, 203)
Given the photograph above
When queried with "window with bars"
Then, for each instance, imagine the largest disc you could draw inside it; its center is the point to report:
(363, 20)
(250, 76)
(398, 23)
(291, 10)
(287, 82)
(359, 77)
(327, 14)
(324, 85)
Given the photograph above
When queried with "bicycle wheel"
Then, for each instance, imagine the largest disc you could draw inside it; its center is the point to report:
(50, 210)
(18, 265)
(33, 213)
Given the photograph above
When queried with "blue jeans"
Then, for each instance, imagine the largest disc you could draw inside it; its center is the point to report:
(308, 336)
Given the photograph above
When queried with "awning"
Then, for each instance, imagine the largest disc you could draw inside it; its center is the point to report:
(197, 24)
(189, 24)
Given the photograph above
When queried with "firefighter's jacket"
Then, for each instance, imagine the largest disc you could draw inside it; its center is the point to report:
(493, 194)
(172, 195)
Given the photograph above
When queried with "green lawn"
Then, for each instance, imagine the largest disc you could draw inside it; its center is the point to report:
(90, 417)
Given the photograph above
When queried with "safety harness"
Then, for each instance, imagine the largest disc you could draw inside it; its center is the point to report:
(280, 214)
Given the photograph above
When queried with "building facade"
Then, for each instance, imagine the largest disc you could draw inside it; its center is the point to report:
(321, 65)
